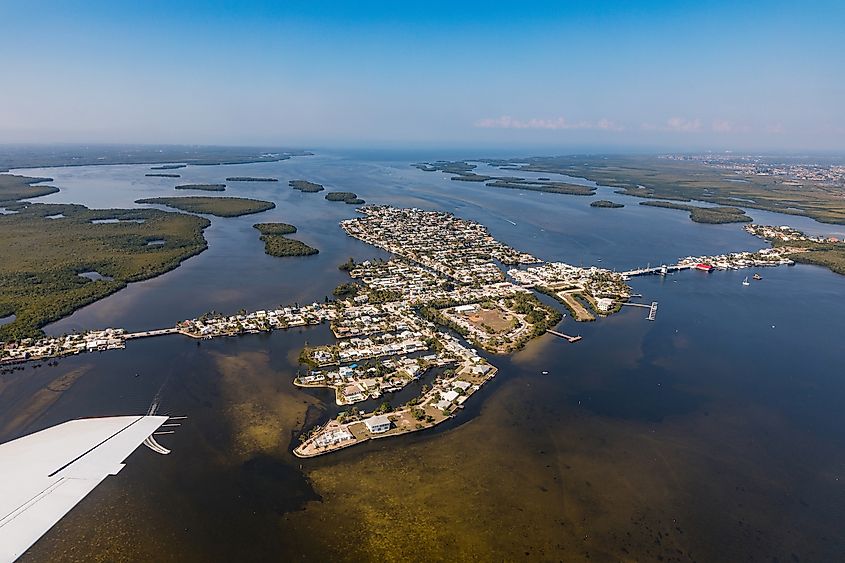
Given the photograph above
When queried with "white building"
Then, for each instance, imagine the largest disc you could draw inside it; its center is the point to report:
(378, 424)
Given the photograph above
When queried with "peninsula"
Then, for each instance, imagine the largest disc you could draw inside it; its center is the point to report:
(13, 188)
(219, 206)
(700, 214)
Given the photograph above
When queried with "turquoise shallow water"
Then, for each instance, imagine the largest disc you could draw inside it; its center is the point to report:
(723, 417)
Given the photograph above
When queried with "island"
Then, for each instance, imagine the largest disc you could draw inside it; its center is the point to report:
(250, 179)
(52, 267)
(203, 187)
(463, 172)
(605, 203)
(306, 186)
(169, 167)
(219, 206)
(277, 244)
(699, 214)
(346, 197)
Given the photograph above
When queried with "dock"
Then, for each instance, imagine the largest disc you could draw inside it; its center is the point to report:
(564, 336)
(652, 309)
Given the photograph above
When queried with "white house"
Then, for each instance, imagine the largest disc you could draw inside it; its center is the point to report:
(378, 424)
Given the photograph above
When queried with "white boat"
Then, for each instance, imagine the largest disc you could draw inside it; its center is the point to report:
(745, 281)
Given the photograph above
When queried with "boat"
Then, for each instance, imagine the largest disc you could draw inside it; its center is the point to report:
(745, 281)
(703, 267)
(757, 277)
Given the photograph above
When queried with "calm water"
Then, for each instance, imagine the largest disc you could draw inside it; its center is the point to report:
(715, 433)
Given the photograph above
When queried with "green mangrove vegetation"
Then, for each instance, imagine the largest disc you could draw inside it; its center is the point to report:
(204, 187)
(276, 244)
(346, 197)
(714, 215)
(219, 206)
(169, 167)
(250, 179)
(605, 203)
(274, 228)
(464, 172)
(171, 156)
(41, 258)
(306, 186)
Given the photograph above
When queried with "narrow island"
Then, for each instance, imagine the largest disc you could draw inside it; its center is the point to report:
(604, 203)
(306, 186)
(169, 167)
(464, 172)
(162, 175)
(712, 215)
(277, 244)
(219, 206)
(203, 187)
(346, 197)
(250, 179)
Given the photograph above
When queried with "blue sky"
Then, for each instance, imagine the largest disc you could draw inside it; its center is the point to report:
(624, 75)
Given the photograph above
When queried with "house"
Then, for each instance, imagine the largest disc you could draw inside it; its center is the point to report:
(378, 424)
(604, 304)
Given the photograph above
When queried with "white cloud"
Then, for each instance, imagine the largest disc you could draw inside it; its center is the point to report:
(679, 124)
(508, 122)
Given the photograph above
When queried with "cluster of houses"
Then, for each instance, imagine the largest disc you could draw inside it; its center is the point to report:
(360, 320)
(70, 344)
(211, 325)
(785, 234)
(372, 346)
(460, 249)
(358, 382)
(738, 260)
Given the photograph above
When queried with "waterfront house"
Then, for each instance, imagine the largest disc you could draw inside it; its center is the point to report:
(378, 424)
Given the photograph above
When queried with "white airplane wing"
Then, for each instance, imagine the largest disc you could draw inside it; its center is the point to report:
(44, 475)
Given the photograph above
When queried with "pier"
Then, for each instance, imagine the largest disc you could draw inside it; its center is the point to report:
(652, 309)
(564, 336)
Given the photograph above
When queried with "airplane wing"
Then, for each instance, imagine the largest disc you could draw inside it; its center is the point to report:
(45, 474)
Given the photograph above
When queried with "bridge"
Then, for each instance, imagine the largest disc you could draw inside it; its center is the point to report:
(146, 333)
(661, 270)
